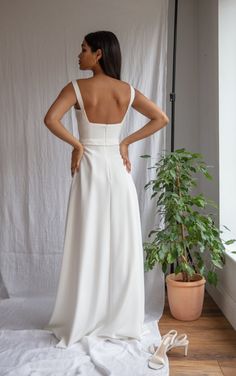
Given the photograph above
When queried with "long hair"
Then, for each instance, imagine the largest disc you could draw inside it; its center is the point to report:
(111, 54)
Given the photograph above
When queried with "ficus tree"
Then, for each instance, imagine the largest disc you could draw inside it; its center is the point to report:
(188, 230)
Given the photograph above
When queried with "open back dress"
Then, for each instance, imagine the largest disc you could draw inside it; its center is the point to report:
(101, 283)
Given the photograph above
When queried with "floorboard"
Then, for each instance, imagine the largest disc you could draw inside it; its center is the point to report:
(212, 346)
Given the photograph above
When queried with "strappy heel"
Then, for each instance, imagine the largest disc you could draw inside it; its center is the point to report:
(179, 341)
(152, 348)
(159, 358)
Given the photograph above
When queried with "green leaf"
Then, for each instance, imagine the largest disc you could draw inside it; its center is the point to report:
(171, 257)
(154, 194)
(217, 263)
(202, 270)
(178, 218)
(212, 278)
(164, 267)
(207, 175)
(231, 241)
(172, 173)
(178, 269)
(145, 156)
(189, 270)
(152, 232)
(146, 266)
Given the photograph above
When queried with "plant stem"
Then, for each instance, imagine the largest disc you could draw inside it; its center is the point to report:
(183, 257)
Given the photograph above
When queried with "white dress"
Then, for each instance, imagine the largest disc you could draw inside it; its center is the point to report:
(101, 283)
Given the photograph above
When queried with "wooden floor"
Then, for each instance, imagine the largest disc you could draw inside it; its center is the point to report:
(212, 343)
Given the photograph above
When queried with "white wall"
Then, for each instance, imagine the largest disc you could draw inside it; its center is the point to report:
(197, 113)
(227, 115)
(226, 293)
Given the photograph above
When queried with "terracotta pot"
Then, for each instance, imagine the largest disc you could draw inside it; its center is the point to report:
(185, 298)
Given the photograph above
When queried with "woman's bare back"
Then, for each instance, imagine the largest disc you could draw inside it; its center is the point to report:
(105, 100)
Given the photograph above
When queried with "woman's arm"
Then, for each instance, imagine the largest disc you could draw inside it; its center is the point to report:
(158, 119)
(64, 101)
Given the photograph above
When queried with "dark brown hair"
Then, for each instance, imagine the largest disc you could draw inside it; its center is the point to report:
(111, 54)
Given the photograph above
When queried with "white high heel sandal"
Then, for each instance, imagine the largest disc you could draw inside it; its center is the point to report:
(159, 358)
(179, 341)
(152, 348)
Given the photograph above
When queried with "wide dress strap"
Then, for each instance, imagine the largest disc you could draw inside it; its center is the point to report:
(78, 94)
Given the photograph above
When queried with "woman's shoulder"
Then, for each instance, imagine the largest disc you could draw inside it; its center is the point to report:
(95, 81)
(94, 87)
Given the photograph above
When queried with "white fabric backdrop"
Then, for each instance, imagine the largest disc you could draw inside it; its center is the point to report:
(39, 46)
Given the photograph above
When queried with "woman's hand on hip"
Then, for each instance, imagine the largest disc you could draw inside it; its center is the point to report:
(124, 152)
(76, 157)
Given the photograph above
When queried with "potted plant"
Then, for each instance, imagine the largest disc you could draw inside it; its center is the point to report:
(187, 234)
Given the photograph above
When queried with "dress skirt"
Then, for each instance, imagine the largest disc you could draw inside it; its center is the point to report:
(101, 284)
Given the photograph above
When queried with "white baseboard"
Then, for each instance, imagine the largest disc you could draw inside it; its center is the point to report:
(224, 301)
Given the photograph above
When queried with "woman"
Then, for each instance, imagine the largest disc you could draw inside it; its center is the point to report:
(101, 285)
